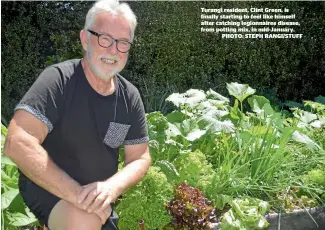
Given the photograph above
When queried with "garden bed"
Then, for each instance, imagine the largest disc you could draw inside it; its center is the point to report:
(244, 155)
(232, 149)
(310, 219)
(297, 220)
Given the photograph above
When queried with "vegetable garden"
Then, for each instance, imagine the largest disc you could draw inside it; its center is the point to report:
(215, 160)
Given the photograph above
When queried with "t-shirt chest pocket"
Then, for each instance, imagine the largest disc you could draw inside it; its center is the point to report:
(116, 134)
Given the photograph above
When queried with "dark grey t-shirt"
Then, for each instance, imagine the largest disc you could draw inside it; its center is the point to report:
(85, 128)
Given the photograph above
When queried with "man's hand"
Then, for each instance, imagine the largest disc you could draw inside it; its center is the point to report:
(104, 215)
(96, 198)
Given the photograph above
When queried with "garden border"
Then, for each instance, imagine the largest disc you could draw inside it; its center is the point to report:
(296, 220)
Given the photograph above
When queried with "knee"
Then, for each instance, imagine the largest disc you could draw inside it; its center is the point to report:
(81, 220)
(66, 216)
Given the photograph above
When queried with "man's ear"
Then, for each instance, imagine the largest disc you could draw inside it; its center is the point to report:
(84, 39)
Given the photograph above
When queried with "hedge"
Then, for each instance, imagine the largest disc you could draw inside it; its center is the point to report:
(170, 53)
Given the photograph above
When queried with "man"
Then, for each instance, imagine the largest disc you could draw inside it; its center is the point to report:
(67, 129)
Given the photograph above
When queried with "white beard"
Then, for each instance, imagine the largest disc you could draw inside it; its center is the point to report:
(102, 75)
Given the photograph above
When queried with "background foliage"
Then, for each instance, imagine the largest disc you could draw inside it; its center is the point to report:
(170, 53)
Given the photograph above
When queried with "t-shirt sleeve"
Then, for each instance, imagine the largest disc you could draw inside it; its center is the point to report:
(138, 132)
(45, 98)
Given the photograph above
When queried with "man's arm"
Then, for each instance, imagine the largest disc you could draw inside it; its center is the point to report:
(23, 146)
(99, 195)
(136, 164)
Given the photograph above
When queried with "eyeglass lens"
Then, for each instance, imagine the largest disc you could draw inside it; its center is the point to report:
(107, 41)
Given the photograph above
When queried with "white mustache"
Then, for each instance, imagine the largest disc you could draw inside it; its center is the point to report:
(111, 57)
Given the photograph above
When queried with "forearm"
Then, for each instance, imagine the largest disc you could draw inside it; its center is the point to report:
(35, 163)
(130, 175)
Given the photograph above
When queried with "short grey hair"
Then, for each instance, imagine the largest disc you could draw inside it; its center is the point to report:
(113, 7)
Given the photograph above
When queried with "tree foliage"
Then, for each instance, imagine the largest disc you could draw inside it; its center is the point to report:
(170, 54)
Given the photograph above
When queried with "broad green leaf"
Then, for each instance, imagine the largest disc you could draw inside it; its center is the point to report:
(314, 105)
(307, 117)
(4, 177)
(12, 172)
(235, 112)
(172, 130)
(259, 130)
(216, 113)
(207, 106)
(187, 112)
(322, 120)
(168, 169)
(206, 142)
(217, 103)
(8, 183)
(222, 126)
(3, 130)
(257, 103)
(191, 98)
(214, 95)
(6, 161)
(176, 117)
(19, 219)
(188, 126)
(302, 138)
(18, 204)
(157, 122)
(194, 96)
(195, 135)
(8, 197)
(29, 213)
(293, 104)
(268, 109)
(220, 200)
(244, 137)
(316, 124)
(172, 149)
(176, 98)
(277, 121)
(320, 99)
(240, 91)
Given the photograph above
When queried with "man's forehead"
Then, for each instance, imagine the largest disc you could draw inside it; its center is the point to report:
(107, 23)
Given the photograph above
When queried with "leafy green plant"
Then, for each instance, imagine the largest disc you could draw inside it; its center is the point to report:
(320, 99)
(245, 213)
(225, 150)
(316, 177)
(13, 210)
(146, 202)
(240, 92)
(230, 151)
(190, 208)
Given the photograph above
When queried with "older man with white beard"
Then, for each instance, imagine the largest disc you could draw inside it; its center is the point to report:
(67, 129)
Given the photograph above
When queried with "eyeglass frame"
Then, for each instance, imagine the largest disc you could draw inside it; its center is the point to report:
(114, 40)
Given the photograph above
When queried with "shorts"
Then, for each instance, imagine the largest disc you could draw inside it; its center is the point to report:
(40, 202)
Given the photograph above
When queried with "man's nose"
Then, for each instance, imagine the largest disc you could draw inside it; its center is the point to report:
(113, 48)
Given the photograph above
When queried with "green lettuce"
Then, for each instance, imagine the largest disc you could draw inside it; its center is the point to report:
(245, 213)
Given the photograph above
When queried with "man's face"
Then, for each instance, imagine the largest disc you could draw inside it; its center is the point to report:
(106, 62)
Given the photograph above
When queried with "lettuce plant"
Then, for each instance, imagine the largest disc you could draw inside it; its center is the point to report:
(190, 208)
(245, 213)
(146, 202)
